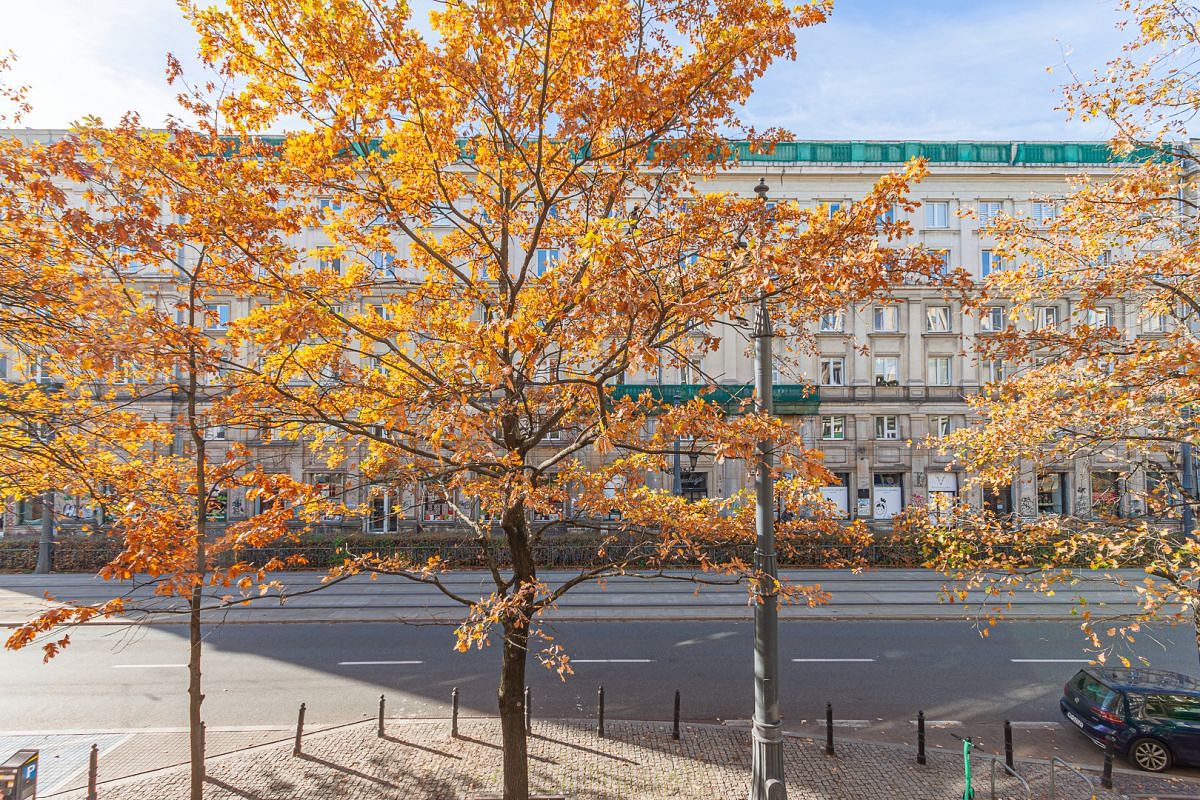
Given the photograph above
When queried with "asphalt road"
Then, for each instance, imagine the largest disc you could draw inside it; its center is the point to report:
(122, 677)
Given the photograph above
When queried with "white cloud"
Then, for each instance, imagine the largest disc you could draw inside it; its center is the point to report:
(102, 57)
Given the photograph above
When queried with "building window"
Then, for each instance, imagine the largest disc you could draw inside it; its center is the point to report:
(990, 262)
(886, 319)
(942, 268)
(333, 265)
(940, 426)
(989, 211)
(833, 321)
(694, 485)
(386, 511)
(833, 428)
(1106, 494)
(692, 371)
(214, 433)
(992, 371)
(383, 262)
(887, 370)
(939, 371)
(1051, 496)
(435, 508)
(1098, 317)
(1151, 323)
(833, 372)
(887, 427)
(29, 511)
(1046, 316)
(937, 319)
(888, 494)
(1043, 213)
(992, 320)
(937, 214)
(216, 316)
(831, 207)
(888, 217)
(544, 260)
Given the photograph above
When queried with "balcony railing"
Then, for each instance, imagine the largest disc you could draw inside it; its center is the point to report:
(788, 398)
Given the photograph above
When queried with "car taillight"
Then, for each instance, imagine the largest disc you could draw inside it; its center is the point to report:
(1108, 716)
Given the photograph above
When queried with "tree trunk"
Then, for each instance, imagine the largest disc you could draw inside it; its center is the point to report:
(511, 694)
(195, 696)
(195, 641)
(512, 712)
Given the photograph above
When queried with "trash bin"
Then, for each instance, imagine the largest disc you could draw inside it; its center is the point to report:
(18, 776)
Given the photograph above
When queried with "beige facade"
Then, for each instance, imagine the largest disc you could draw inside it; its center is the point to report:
(873, 406)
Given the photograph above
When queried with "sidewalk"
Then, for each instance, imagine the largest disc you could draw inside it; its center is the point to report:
(637, 761)
(875, 594)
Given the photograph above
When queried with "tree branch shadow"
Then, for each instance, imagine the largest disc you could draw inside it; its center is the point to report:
(416, 746)
(348, 770)
(494, 746)
(232, 789)
(573, 746)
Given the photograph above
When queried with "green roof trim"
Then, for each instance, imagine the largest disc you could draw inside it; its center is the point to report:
(788, 398)
(1011, 153)
(882, 152)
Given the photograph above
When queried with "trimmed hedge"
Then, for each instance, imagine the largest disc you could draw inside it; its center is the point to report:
(457, 549)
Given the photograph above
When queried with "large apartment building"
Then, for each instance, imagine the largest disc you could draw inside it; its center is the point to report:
(868, 409)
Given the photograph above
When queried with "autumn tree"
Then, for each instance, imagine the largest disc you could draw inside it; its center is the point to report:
(1110, 374)
(150, 231)
(512, 216)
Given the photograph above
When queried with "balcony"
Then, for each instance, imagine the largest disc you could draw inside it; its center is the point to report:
(788, 398)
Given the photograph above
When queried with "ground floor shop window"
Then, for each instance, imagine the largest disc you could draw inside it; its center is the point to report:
(998, 500)
(1106, 495)
(888, 498)
(694, 485)
(1051, 493)
(839, 496)
(943, 493)
(386, 512)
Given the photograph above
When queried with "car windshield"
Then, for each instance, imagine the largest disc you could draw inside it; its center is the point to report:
(1095, 693)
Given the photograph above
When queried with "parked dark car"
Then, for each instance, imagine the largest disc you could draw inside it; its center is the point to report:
(1153, 716)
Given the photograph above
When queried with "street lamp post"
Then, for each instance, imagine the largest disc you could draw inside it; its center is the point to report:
(766, 763)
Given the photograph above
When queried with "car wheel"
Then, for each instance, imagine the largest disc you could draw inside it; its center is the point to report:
(1150, 755)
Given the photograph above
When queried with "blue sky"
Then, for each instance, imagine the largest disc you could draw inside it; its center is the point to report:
(898, 69)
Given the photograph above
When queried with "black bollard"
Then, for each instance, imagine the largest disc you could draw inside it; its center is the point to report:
(920, 737)
(1008, 753)
(600, 712)
(299, 731)
(379, 733)
(1110, 751)
(675, 726)
(829, 729)
(93, 770)
(454, 712)
(528, 713)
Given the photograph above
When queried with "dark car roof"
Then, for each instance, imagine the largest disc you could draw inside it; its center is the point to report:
(1146, 679)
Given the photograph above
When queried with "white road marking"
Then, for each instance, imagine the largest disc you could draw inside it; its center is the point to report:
(852, 723)
(808, 660)
(612, 660)
(1048, 726)
(1050, 660)
(939, 723)
(149, 666)
(365, 663)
